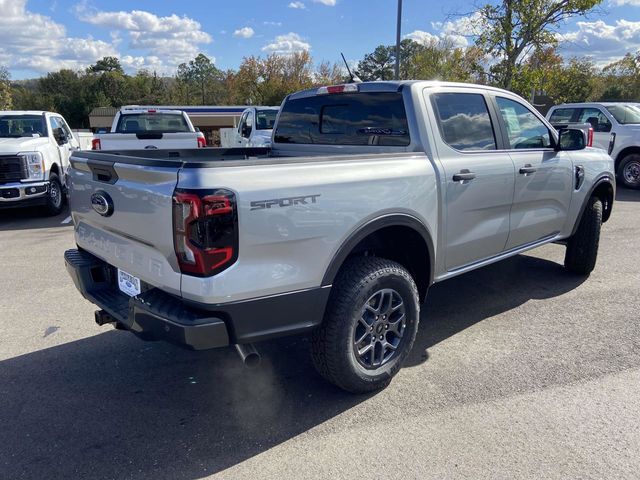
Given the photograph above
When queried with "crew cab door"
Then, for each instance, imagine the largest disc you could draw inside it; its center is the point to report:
(64, 140)
(478, 178)
(244, 129)
(544, 177)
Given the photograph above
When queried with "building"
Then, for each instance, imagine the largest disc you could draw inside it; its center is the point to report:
(209, 119)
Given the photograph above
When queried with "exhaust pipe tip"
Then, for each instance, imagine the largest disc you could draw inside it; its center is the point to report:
(249, 355)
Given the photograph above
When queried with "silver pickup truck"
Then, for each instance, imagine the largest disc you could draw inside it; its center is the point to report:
(370, 193)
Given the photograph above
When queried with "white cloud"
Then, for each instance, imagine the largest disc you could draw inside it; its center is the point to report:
(165, 41)
(619, 3)
(32, 41)
(244, 32)
(298, 5)
(328, 3)
(422, 37)
(456, 32)
(602, 42)
(287, 44)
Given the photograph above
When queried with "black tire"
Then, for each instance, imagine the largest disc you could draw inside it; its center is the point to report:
(582, 247)
(353, 301)
(55, 196)
(629, 171)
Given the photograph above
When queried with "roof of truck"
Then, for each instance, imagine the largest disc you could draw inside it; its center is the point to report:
(396, 85)
(25, 112)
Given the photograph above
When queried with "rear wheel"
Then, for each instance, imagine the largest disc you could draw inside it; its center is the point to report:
(629, 171)
(55, 196)
(369, 327)
(582, 247)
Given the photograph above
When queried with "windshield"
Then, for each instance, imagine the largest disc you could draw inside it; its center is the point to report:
(265, 119)
(625, 114)
(15, 126)
(152, 122)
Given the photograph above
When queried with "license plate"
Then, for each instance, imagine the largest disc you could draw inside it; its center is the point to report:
(128, 283)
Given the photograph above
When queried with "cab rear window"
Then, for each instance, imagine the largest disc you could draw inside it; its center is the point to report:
(151, 122)
(373, 118)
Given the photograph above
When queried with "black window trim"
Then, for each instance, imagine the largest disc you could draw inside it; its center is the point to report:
(505, 135)
(493, 118)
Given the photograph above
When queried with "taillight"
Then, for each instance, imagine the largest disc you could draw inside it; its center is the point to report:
(95, 144)
(347, 88)
(590, 137)
(202, 142)
(205, 232)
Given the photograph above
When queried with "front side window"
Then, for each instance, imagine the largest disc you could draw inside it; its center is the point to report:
(464, 121)
(366, 118)
(596, 118)
(524, 129)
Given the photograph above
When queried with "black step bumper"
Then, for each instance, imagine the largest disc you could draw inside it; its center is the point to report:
(152, 315)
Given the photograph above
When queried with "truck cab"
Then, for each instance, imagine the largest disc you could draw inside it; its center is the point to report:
(253, 130)
(35, 147)
(616, 129)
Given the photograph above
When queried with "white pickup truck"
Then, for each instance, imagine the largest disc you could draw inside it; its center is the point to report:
(35, 147)
(253, 130)
(616, 129)
(149, 128)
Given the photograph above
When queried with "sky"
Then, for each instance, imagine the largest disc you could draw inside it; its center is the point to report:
(39, 36)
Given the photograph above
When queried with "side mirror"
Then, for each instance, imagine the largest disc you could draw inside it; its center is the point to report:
(60, 136)
(246, 131)
(571, 139)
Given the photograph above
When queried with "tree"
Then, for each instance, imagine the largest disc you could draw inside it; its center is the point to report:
(106, 64)
(622, 78)
(380, 64)
(201, 75)
(5, 89)
(440, 60)
(509, 29)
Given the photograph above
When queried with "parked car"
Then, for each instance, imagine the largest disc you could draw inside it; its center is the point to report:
(616, 129)
(379, 189)
(149, 128)
(34, 156)
(253, 130)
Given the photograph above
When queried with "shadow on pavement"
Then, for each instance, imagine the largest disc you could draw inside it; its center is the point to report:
(627, 195)
(110, 406)
(31, 218)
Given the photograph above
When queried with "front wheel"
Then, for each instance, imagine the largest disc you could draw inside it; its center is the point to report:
(55, 196)
(369, 326)
(582, 247)
(629, 171)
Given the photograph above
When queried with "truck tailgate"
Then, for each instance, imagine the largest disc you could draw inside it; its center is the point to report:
(122, 213)
(142, 141)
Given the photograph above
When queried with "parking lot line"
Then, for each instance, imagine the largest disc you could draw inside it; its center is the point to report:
(66, 220)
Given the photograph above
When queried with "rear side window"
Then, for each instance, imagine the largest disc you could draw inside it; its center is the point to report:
(151, 122)
(376, 118)
(562, 115)
(464, 121)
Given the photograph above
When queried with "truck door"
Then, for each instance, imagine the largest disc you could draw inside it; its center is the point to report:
(478, 178)
(66, 142)
(601, 126)
(544, 177)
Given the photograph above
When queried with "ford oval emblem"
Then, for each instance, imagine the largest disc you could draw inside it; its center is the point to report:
(101, 202)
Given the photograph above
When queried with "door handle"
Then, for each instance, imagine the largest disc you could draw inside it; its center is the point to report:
(528, 169)
(464, 175)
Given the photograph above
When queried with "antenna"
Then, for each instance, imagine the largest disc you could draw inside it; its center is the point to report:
(352, 78)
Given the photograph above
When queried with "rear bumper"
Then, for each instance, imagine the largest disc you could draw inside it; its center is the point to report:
(156, 315)
(19, 194)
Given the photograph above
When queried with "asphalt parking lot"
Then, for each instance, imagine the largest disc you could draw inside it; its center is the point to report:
(520, 370)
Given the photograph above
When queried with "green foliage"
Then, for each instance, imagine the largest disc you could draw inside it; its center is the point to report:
(5, 90)
(509, 29)
(106, 64)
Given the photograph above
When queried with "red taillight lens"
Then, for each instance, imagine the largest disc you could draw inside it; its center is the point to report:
(205, 231)
(590, 137)
(202, 142)
(95, 144)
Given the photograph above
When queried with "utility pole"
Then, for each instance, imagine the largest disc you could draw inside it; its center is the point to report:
(398, 32)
